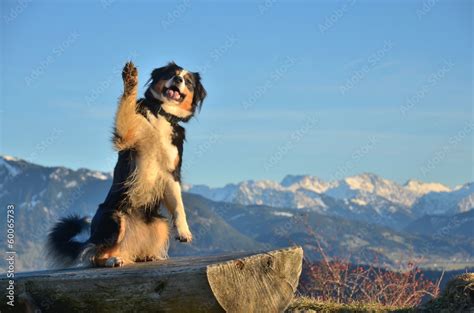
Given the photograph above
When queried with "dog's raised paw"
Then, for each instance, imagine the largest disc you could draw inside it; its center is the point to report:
(130, 76)
(114, 261)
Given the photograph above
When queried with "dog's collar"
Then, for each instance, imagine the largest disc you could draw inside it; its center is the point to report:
(152, 97)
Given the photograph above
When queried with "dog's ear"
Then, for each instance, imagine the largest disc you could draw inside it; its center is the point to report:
(199, 92)
(156, 74)
(160, 72)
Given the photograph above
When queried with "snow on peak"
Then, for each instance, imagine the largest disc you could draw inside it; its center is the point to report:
(365, 192)
(460, 199)
(260, 184)
(289, 180)
(10, 158)
(467, 187)
(370, 188)
(421, 188)
(100, 175)
(295, 182)
(11, 169)
(365, 182)
(281, 213)
(360, 202)
(466, 203)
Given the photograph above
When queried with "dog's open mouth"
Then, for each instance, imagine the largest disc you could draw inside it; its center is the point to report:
(173, 93)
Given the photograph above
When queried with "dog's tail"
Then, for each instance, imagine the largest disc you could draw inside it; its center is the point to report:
(62, 248)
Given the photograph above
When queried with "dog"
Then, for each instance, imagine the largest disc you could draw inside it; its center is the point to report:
(128, 226)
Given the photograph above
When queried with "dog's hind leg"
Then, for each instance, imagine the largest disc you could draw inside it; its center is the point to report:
(109, 260)
(107, 234)
(128, 121)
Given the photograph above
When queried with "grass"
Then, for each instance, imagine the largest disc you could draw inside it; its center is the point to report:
(457, 297)
(306, 304)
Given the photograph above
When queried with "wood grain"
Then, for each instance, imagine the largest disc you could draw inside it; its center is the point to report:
(239, 282)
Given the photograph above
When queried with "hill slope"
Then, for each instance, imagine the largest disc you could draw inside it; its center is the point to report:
(43, 194)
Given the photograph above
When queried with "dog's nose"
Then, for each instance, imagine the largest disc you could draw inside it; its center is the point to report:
(178, 79)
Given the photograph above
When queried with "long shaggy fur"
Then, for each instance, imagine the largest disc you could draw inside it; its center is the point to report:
(61, 245)
(127, 226)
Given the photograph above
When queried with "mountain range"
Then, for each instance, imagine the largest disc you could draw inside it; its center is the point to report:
(366, 197)
(257, 215)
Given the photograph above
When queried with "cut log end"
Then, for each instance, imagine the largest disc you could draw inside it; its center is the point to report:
(241, 282)
(258, 283)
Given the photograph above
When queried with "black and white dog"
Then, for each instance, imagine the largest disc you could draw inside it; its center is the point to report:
(127, 227)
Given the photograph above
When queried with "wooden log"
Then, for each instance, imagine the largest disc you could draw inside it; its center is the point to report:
(242, 282)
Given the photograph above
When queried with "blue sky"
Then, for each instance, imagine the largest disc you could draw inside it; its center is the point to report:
(327, 88)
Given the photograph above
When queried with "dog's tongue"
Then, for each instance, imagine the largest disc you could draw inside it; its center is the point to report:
(173, 94)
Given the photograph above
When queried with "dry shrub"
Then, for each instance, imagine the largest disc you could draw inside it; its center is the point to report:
(337, 280)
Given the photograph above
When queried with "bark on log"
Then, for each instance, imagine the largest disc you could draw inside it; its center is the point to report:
(242, 282)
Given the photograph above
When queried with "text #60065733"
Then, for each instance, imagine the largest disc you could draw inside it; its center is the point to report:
(10, 254)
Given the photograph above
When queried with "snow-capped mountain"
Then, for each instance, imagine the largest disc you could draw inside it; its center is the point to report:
(459, 200)
(6, 169)
(43, 194)
(365, 196)
(260, 192)
(364, 186)
(421, 188)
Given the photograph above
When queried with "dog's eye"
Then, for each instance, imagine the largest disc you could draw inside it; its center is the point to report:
(189, 83)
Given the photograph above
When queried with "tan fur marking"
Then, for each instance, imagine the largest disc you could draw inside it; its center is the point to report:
(144, 240)
(101, 258)
(128, 123)
(129, 135)
(187, 103)
(176, 161)
(122, 229)
(137, 241)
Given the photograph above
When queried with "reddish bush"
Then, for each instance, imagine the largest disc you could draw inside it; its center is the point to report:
(338, 281)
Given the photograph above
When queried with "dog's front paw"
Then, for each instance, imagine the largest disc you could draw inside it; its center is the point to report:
(130, 77)
(184, 234)
(114, 261)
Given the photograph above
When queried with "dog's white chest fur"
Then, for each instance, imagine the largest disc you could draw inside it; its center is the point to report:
(156, 156)
(163, 132)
